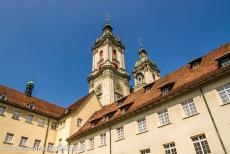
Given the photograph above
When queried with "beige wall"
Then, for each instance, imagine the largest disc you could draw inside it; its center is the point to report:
(179, 131)
(21, 128)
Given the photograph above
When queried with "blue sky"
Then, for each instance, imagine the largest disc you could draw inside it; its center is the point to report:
(52, 39)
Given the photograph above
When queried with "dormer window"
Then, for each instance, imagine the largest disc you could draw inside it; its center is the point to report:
(31, 106)
(195, 63)
(3, 97)
(125, 107)
(165, 89)
(224, 61)
(95, 121)
(148, 87)
(109, 115)
(66, 111)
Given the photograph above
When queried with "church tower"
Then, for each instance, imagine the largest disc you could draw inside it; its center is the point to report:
(145, 71)
(109, 78)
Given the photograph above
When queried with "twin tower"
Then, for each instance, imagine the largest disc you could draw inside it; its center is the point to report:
(109, 78)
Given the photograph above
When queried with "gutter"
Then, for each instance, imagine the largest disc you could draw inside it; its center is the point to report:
(47, 130)
(110, 140)
(213, 121)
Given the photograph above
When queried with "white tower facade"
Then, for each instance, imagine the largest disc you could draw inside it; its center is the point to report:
(145, 71)
(109, 78)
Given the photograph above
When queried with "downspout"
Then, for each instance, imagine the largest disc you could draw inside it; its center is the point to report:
(213, 121)
(47, 130)
(110, 141)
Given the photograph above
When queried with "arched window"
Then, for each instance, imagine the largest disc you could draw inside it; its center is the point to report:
(101, 54)
(114, 54)
(140, 78)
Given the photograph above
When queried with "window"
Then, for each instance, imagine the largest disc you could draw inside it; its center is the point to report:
(2, 110)
(114, 54)
(225, 62)
(201, 144)
(164, 117)
(54, 125)
(16, 115)
(50, 147)
(82, 146)
(195, 65)
(79, 122)
(120, 133)
(9, 138)
(60, 142)
(62, 124)
(29, 118)
(142, 127)
(101, 54)
(41, 122)
(3, 97)
(189, 108)
(224, 93)
(103, 139)
(37, 143)
(145, 151)
(170, 148)
(23, 141)
(165, 90)
(91, 143)
(31, 106)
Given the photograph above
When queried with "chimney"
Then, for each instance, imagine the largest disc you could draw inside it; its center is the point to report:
(29, 88)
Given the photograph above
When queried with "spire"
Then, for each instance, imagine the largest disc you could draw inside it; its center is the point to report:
(107, 28)
(29, 88)
(142, 51)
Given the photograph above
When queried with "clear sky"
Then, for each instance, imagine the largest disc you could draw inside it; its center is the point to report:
(52, 39)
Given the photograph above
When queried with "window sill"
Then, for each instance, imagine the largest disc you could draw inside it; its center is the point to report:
(2, 115)
(29, 122)
(120, 139)
(8, 143)
(191, 116)
(164, 125)
(142, 132)
(90, 149)
(22, 146)
(16, 119)
(225, 104)
(102, 145)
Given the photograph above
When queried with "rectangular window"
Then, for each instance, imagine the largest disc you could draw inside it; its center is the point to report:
(37, 143)
(201, 144)
(91, 143)
(79, 122)
(120, 133)
(224, 93)
(2, 110)
(50, 147)
(189, 107)
(29, 118)
(142, 126)
(23, 141)
(41, 122)
(16, 115)
(170, 148)
(164, 117)
(9, 138)
(53, 125)
(145, 151)
(82, 146)
(103, 139)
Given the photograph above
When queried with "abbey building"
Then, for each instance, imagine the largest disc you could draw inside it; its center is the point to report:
(184, 112)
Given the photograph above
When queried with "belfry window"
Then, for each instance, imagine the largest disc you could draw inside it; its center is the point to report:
(114, 54)
(101, 54)
(140, 78)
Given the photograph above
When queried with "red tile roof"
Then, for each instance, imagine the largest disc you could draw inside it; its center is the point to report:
(21, 100)
(183, 78)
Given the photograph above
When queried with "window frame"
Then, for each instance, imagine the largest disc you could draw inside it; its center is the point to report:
(41, 124)
(225, 91)
(4, 110)
(120, 133)
(79, 124)
(189, 108)
(168, 149)
(142, 125)
(7, 137)
(103, 139)
(30, 119)
(163, 117)
(202, 143)
(19, 115)
(91, 143)
(145, 151)
(37, 141)
(22, 142)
